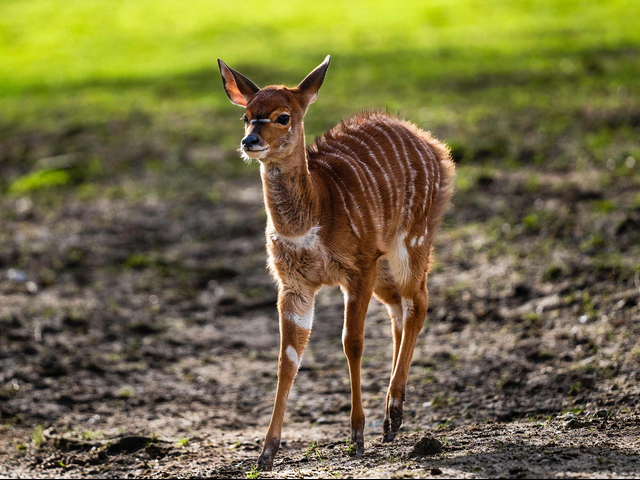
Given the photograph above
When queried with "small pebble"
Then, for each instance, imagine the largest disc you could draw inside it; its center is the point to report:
(16, 276)
(574, 423)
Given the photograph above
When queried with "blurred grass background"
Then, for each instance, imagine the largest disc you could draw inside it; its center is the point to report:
(104, 88)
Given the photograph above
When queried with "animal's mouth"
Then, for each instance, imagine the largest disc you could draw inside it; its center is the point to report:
(255, 149)
(255, 152)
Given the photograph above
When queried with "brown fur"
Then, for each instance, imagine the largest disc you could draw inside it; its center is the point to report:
(359, 209)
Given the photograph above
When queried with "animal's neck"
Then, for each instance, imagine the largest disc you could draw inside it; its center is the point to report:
(289, 194)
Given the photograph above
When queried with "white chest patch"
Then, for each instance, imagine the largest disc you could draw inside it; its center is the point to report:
(293, 356)
(304, 241)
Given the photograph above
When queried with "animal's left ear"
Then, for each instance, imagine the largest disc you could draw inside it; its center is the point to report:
(309, 87)
(239, 88)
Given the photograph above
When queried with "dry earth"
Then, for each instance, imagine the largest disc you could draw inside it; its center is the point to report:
(138, 338)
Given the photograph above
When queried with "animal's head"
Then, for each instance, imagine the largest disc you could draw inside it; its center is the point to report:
(273, 115)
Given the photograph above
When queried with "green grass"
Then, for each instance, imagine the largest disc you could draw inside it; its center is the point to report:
(550, 83)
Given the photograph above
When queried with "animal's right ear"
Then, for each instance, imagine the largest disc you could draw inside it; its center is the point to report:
(239, 88)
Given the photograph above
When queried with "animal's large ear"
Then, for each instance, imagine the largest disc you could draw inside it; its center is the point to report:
(239, 88)
(309, 87)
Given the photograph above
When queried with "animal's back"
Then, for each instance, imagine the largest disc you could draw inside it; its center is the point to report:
(389, 176)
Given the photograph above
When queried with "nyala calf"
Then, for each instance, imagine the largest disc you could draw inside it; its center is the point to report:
(358, 208)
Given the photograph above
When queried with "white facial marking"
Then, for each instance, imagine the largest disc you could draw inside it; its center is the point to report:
(293, 356)
(306, 240)
(259, 120)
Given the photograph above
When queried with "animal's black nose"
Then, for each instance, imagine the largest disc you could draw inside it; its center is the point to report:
(250, 141)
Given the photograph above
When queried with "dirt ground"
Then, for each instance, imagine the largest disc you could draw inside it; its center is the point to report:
(139, 338)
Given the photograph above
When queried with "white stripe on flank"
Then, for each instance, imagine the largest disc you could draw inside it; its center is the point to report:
(355, 204)
(416, 143)
(399, 131)
(421, 241)
(400, 163)
(293, 356)
(344, 200)
(372, 184)
(391, 188)
(384, 173)
(362, 187)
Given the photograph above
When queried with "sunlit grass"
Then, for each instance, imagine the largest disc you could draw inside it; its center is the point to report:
(543, 82)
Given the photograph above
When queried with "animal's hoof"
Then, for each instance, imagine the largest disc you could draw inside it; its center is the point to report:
(265, 464)
(388, 437)
(392, 423)
(356, 448)
(356, 451)
(265, 461)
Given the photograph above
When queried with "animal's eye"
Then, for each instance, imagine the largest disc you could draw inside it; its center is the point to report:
(245, 119)
(283, 119)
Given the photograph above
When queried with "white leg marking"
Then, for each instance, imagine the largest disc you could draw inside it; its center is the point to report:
(293, 356)
(306, 240)
(407, 309)
(395, 311)
(303, 321)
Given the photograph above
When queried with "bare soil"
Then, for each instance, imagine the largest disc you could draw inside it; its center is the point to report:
(139, 338)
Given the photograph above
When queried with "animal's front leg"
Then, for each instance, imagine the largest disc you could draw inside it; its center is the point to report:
(296, 318)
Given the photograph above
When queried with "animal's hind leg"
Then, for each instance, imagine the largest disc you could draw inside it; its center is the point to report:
(414, 315)
(387, 292)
